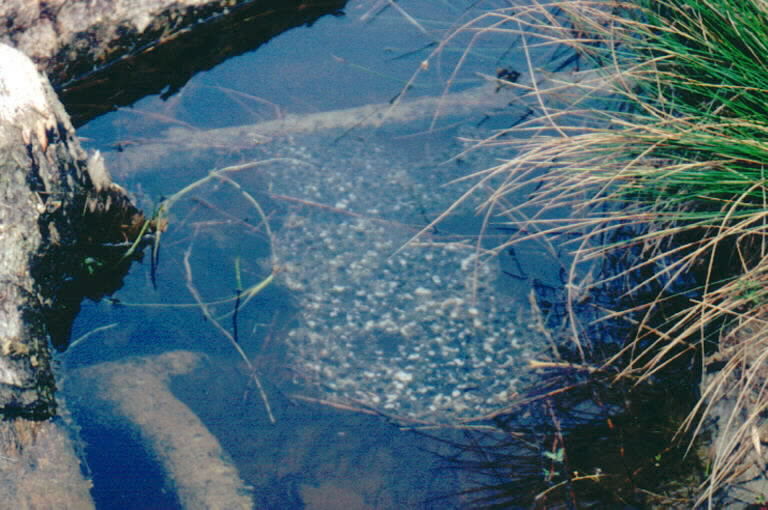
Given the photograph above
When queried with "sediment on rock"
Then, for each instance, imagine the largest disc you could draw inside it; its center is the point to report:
(194, 460)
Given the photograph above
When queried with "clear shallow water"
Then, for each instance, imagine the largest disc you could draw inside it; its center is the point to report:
(316, 454)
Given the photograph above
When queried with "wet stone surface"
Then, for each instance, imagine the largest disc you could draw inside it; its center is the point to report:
(419, 330)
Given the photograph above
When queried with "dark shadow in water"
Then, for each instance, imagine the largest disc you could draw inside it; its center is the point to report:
(124, 476)
(167, 67)
(594, 445)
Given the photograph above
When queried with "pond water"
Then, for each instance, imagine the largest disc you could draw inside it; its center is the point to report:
(288, 327)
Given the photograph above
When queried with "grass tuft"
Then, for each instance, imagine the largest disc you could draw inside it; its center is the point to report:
(657, 155)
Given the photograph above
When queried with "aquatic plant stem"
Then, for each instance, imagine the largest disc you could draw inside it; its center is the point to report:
(208, 315)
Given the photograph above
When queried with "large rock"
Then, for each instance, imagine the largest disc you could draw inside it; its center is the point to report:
(58, 210)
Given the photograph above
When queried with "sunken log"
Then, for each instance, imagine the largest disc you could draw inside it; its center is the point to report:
(137, 390)
(99, 54)
(65, 233)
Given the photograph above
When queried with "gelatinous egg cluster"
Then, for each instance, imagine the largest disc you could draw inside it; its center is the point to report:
(419, 329)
